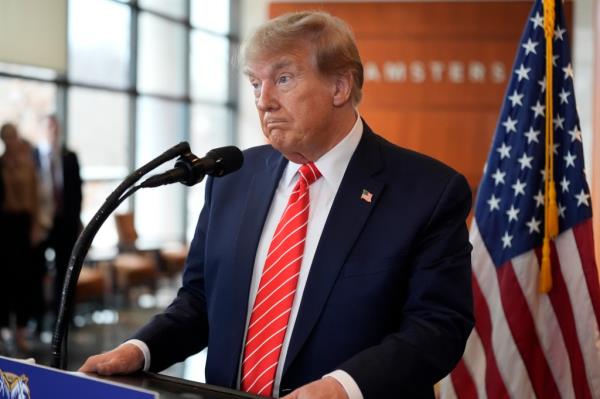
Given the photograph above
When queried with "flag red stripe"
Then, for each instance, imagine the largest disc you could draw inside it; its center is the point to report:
(522, 327)
(463, 382)
(584, 238)
(561, 303)
(494, 384)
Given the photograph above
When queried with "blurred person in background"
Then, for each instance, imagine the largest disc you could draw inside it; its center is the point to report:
(60, 189)
(18, 230)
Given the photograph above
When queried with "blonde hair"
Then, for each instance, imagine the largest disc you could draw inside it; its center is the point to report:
(333, 42)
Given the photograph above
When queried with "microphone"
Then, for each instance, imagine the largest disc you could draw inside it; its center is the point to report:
(190, 170)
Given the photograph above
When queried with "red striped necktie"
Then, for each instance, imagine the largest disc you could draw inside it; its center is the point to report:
(275, 295)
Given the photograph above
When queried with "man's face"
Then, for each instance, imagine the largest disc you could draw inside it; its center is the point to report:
(295, 104)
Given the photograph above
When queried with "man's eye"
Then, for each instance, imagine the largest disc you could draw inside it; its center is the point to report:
(283, 79)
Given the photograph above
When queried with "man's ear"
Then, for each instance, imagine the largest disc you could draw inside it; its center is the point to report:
(343, 88)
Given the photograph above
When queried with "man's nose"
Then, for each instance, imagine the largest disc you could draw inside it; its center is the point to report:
(266, 99)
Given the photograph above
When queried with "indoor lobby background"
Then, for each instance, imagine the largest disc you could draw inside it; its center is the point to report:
(129, 79)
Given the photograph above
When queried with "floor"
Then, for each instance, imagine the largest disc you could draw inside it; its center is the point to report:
(99, 327)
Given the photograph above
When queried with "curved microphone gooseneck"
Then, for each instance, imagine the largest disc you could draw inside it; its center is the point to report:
(83, 243)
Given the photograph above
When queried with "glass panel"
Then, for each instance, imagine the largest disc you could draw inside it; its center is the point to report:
(173, 8)
(211, 128)
(161, 56)
(24, 103)
(159, 211)
(98, 124)
(98, 54)
(209, 67)
(94, 195)
(211, 15)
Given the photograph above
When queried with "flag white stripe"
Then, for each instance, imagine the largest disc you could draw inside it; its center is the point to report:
(447, 388)
(509, 361)
(585, 319)
(548, 330)
(475, 362)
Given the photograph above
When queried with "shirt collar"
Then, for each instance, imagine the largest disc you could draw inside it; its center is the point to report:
(333, 163)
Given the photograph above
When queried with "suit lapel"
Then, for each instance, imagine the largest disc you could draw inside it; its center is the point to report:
(347, 216)
(262, 188)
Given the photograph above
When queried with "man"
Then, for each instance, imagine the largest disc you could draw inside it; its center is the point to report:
(61, 183)
(377, 303)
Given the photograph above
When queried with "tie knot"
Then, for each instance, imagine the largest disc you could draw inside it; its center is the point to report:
(309, 173)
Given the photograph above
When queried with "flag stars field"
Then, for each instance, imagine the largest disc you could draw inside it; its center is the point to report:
(542, 83)
(564, 184)
(530, 46)
(513, 213)
(498, 177)
(525, 161)
(575, 134)
(532, 135)
(582, 198)
(516, 99)
(570, 159)
(494, 203)
(558, 122)
(564, 96)
(558, 33)
(534, 225)
(510, 125)
(539, 198)
(504, 151)
(523, 72)
(538, 21)
(538, 109)
(519, 188)
(568, 70)
(506, 240)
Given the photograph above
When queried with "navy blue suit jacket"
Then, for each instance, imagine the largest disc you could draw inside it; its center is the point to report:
(388, 296)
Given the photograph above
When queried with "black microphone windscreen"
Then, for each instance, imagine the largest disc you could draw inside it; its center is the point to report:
(227, 159)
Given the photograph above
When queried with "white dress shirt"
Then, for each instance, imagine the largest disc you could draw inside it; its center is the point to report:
(332, 166)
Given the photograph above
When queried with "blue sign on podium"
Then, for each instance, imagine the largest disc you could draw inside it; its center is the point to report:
(23, 380)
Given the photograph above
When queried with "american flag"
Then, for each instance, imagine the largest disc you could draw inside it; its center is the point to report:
(526, 344)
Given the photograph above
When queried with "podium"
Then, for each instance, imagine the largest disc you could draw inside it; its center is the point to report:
(176, 388)
(25, 379)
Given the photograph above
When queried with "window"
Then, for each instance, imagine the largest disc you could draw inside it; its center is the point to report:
(212, 16)
(99, 55)
(161, 125)
(141, 76)
(24, 102)
(161, 56)
(209, 66)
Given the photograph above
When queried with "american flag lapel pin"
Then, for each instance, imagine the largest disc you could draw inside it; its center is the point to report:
(366, 196)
